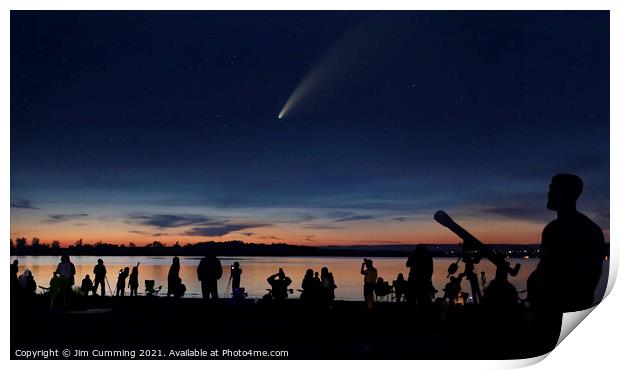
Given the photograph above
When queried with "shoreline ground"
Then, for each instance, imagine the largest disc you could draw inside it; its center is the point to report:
(348, 330)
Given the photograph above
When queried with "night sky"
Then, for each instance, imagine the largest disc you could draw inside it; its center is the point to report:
(134, 127)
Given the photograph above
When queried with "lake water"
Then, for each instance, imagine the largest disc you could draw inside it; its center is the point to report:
(346, 272)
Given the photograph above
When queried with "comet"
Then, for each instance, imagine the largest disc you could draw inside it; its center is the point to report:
(306, 86)
(328, 70)
(348, 57)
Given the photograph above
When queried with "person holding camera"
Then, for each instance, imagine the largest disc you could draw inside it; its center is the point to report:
(100, 273)
(120, 283)
(370, 279)
(279, 285)
(235, 273)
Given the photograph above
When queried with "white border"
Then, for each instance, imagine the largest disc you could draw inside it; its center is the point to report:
(592, 345)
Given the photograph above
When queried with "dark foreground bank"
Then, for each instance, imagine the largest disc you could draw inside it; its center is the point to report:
(167, 328)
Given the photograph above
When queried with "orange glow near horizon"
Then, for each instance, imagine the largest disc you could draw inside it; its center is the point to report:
(361, 233)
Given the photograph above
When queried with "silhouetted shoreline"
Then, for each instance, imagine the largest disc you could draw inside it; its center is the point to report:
(238, 248)
(347, 331)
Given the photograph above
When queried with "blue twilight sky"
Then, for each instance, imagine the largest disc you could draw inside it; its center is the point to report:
(136, 126)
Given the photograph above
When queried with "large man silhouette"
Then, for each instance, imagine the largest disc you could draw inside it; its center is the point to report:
(571, 260)
(209, 272)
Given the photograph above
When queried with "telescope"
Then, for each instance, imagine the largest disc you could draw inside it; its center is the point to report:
(473, 249)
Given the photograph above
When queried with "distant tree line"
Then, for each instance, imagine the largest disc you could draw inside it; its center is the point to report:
(21, 247)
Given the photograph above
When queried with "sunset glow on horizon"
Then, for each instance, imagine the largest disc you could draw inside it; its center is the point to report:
(375, 232)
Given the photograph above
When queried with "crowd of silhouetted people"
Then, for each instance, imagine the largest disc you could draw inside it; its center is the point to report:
(316, 287)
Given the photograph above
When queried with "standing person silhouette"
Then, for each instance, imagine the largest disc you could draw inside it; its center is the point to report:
(99, 272)
(66, 272)
(400, 286)
(420, 285)
(133, 281)
(235, 272)
(328, 285)
(174, 280)
(120, 283)
(307, 284)
(370, 279)
(209, 271)
(14, 281)
(55, 293)
(571, 261)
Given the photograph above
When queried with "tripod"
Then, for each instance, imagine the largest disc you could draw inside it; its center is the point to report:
(473, 281)
(228, 285)
(111, 292)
